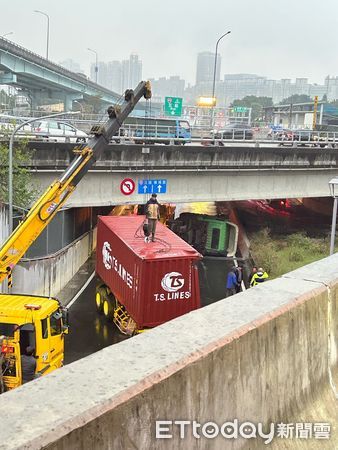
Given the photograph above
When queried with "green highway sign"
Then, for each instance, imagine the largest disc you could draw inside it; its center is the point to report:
(240, 109)
(173, 106)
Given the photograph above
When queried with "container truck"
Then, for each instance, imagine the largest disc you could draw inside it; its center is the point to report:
(142, 285)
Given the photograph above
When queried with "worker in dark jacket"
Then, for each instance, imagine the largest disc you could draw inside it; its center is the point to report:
(28, 365)
(152, 214)
(252, 273)
(259, 277)
(239, 278)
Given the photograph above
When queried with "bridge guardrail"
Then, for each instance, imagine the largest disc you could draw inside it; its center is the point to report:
(150, 134)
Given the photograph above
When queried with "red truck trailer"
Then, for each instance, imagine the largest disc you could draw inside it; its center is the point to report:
(141, 284)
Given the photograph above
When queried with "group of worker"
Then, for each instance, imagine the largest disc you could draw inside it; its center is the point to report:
(235, 278)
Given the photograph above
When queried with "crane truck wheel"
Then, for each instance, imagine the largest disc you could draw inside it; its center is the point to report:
(108, 309)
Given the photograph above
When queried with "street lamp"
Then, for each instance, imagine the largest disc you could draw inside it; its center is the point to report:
(96, 63)
(333, 184)
(46, 15)
(215, 65)
(80, 104)
(214, 80)
(10, 161)
(7, 34)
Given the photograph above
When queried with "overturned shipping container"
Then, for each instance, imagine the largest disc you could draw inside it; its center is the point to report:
(141, 284)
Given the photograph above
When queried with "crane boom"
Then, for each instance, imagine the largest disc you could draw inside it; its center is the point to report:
(45, 208)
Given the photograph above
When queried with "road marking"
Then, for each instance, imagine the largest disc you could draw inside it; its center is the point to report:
(81, 290)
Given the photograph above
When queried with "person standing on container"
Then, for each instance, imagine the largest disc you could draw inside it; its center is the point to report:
(152, 214)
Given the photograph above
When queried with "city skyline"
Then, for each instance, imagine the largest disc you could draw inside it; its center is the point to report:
(71, 64)
(229, 87)
(277, 43)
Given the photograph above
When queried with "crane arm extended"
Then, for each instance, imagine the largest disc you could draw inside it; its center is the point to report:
(45, 208)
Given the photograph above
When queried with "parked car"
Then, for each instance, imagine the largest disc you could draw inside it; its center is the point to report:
(235, 131)
(58, 131)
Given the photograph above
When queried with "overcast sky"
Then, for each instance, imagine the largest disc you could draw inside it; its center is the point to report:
(277, 39)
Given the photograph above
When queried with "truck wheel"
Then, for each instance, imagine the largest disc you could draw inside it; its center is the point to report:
(108, 310)
(99, 298)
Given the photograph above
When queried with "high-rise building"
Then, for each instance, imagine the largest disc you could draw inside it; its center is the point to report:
(237, 86)
(114, 76)
(101, 73)
(71, 65)
(131, 72)
(205, 67)
(167, 87)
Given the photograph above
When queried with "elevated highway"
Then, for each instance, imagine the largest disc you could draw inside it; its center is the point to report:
(41, 78)
(192, 173)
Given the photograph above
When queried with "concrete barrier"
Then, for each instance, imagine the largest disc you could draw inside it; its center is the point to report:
(266, 355)
(48, 275)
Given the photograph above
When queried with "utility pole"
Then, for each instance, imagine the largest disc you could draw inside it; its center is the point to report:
(315, 107)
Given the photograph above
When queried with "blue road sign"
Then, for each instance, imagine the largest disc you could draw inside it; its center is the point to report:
(152, 186)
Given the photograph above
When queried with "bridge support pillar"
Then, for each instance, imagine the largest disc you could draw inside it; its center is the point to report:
(68, 101)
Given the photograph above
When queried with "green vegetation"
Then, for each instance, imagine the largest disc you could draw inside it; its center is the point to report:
(297, 98)
(23, 191)
(256, 103)
(282, 253)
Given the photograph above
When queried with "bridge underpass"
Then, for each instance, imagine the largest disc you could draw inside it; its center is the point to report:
(192, 173)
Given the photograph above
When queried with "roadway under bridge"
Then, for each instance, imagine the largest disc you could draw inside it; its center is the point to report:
(192, 173)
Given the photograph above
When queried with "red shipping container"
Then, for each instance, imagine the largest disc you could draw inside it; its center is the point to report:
(155, 281)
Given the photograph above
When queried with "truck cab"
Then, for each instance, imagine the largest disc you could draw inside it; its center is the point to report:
(30, 321)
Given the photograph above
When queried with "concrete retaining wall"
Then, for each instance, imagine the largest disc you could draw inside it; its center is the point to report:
(266, 355)
(48, 275)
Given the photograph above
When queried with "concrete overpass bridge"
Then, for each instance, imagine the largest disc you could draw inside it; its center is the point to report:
(40, 78)
(192, 173)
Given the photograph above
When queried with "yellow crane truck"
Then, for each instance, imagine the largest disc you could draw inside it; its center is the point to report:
(41, 322)
(30, 321)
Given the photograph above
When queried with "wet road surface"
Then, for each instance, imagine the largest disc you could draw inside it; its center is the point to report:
(90, 332)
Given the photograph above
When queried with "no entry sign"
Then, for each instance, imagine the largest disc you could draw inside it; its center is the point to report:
(127, 186)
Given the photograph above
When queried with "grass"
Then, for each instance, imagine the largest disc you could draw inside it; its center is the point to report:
(282, 253)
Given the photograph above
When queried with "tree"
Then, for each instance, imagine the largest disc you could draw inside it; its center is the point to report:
(6, 101)
(297, 98)
(23, 190)
(256, 104)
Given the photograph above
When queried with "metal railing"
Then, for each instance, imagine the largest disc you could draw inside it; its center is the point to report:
(153, 133)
